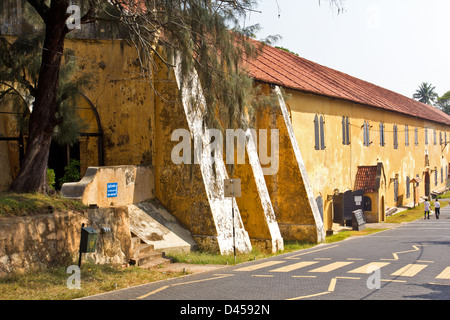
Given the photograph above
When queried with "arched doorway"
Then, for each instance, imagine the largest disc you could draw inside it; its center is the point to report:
(382, 209)
(94, 130)
(87, 148)
(14, 117)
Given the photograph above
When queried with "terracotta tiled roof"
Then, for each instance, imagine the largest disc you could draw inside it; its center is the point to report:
(365, 178)
(282, 68)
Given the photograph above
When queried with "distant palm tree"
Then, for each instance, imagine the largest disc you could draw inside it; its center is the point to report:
(426, 93)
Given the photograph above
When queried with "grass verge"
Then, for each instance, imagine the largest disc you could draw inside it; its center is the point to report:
(342, 235)
(25, 204)
(201, 257)
(412, 214)
(444, 195)
(51, 283)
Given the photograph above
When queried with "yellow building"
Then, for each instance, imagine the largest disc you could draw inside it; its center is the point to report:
(337, 135)
(345, 126)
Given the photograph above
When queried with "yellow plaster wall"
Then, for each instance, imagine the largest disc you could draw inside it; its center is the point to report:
(336, 166)
(249, 203)
(124, 100)
(372, 215)
(179, 187)
(286, 188)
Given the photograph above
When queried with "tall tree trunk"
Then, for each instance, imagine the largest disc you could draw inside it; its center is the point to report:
(33, 172)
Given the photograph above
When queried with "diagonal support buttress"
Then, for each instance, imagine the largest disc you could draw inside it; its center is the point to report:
(301, 166)
(194, 105)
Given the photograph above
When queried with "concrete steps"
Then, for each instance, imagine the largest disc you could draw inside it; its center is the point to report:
(154, 233)
(151, 222)
(145, 255)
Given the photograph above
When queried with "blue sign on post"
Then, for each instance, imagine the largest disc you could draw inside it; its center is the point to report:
(112, 190)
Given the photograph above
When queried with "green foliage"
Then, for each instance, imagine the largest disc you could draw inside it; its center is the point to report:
(443, 103)
(20, 63)
(25, 204)
(426, 93)
(287, 50)
(198, 33)
(196, 29)
(51, 178)
(71, 172)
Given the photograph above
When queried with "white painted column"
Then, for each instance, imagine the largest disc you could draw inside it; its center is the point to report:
(219, 205)
(301, 166)
(266, 203)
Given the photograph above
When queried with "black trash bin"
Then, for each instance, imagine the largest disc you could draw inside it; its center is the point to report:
(88, 240)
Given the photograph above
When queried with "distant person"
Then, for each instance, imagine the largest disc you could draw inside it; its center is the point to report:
(437, 208)
(427, 209)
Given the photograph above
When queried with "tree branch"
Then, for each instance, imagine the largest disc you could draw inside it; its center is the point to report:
(89, 17)
(40, 7)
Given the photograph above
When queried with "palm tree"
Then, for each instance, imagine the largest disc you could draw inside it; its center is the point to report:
(426, 93)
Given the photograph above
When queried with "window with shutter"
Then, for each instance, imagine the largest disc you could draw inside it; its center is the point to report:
(406, 135)
(322, 134)
(316, 133)
(382, 134)
(366, 132)
(345, 131)
(395, 137)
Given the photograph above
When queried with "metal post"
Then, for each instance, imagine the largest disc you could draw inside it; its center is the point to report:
(79, 259)
(234, 237)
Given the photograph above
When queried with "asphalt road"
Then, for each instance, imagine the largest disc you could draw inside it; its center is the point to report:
(411, 261)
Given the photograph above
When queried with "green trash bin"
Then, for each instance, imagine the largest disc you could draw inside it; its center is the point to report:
(88, 240)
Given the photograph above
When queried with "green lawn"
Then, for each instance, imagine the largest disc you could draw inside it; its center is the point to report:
(444, 195)
(412, 214)
(51, 283)
(23, 204)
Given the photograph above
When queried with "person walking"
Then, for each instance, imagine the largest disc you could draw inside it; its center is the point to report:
(427, 209)
(437, 208)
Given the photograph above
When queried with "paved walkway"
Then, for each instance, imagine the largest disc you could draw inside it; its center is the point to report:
(190, 268)
(413, 259)
(199, 268)
(428, 240)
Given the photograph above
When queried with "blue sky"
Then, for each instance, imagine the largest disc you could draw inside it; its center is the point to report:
(396, 44)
